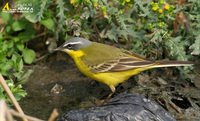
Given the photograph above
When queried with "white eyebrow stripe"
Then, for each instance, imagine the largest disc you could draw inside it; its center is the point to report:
(73, 43)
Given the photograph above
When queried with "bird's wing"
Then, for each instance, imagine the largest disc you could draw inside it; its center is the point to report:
(125, 60)
(121, 64)
(134, 55)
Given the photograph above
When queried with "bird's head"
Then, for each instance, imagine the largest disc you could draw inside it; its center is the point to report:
(73, 45)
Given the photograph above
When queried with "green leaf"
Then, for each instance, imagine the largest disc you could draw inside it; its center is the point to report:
(196, 46)
(111, 34)
(20, 65)
(177, 48)
(10, 44)
(1, 37)
(16, 39)
(38, 9)
(27, 35)
(18, 92)
(6, 16)
(11, 62)
(10, 52)
(48, 23)
(6, 66)
(4, 69)
(17, 75)
(4, 72)
(20, 46)
(19, 24)
(16, 59)
(25, 77)
(144, 11)
(8, 29)
(2, 96)
(61, 6)
(3, 57)
(28, 55)
(4, 46)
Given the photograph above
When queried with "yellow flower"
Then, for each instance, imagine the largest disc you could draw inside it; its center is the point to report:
(154, 8)
(167, 7)
(95, 5)
(72, 2)
(104, 13)
(151, 3)
(128, 1)
(160, 10)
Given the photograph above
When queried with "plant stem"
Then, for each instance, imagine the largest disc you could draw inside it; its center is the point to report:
(44, 56)
(96, 29)
(10, 94)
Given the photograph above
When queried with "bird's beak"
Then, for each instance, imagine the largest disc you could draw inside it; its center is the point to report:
(60, 49)
(57, 49)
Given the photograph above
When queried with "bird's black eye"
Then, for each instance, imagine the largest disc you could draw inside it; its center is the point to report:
(69, 46)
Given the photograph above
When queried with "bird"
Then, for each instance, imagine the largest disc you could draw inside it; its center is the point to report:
(108, 64)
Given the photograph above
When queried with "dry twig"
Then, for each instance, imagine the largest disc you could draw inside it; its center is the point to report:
(8, 91)
(54, 115)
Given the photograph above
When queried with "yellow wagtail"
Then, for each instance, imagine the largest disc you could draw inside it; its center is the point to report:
(108, 64)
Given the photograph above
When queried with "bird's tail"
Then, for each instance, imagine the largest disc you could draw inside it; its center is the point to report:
(172, 63)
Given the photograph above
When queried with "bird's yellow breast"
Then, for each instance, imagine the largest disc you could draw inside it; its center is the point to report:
(109, 78)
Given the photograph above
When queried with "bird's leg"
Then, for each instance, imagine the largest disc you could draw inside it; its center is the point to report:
(113, 91)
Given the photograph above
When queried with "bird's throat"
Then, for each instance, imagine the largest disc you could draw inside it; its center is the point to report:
(75, 54)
